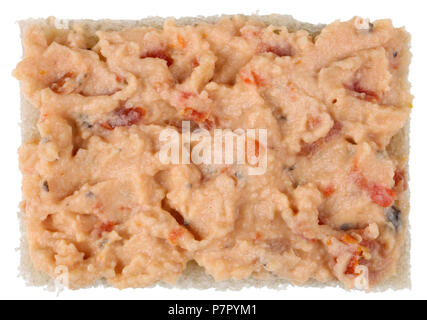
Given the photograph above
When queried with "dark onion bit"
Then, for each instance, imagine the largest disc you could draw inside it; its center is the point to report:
(393, 215)
(346, 226)
(45, 186)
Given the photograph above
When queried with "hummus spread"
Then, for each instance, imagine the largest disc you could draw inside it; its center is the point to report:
(99, 204)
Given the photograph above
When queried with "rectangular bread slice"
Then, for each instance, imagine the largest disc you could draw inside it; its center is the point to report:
(195, 276)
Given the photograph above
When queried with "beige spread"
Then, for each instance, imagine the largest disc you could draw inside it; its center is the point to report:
(99, 204)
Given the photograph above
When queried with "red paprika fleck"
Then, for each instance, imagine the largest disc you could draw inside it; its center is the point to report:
(328, 190)
(308, 149)
(379, 194)
(106, 226)
(57, 86)
(351, 266)
(362, 93)
(175, 234)
(124, 117)
(282, 50)
(159, 54)
(400, 181)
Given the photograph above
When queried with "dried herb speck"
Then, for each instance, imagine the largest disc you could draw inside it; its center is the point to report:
(90, 194)
(86, 125)
(238, 175)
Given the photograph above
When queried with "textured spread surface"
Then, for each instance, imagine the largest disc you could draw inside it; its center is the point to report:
(328, 205)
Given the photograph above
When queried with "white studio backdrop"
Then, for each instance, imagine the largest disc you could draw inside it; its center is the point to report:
(408, 14)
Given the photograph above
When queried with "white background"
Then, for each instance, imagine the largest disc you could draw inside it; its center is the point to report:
(407, 13)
